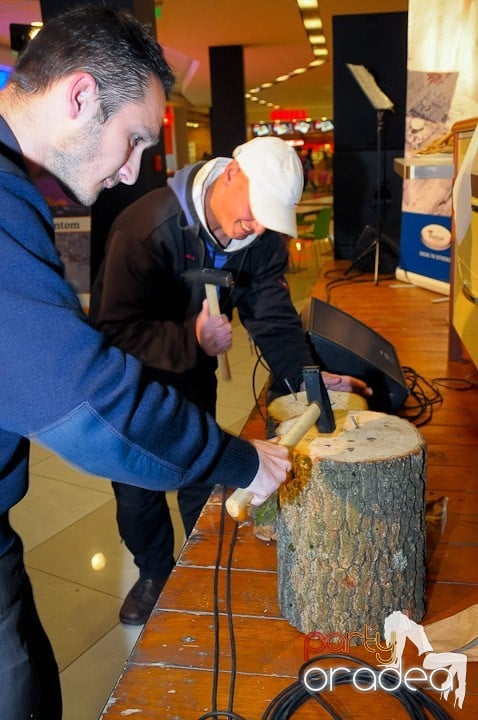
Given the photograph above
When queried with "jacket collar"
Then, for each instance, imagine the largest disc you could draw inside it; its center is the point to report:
(10, 152)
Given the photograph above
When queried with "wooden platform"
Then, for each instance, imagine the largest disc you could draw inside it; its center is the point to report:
(169, 674)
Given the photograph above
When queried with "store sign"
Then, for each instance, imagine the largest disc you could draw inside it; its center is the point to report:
(288, 115)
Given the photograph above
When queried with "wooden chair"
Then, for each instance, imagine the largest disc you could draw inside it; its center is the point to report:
(318, 235)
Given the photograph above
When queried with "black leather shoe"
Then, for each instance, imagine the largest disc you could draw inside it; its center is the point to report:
(140, 600)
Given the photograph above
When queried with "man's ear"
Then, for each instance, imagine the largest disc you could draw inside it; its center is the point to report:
(232, 169)
(82, 96)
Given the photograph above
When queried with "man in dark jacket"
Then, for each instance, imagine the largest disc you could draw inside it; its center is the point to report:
(147, 298)
(85, 98)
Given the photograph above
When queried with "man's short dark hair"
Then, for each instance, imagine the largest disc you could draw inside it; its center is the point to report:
(110, 44)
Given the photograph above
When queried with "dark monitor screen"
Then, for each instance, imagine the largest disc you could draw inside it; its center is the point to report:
(346, 346)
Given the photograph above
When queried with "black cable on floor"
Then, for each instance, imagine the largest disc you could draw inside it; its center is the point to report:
(425, 395)
(414, 702)
(338, 278)
(459, 384)
(230, 624)
(215, 713)
(424, 398)
(220, 540)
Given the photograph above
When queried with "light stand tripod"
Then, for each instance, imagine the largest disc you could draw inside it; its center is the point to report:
(374, 245)
(381, 103)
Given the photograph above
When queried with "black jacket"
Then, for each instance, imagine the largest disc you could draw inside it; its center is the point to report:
(146, 299)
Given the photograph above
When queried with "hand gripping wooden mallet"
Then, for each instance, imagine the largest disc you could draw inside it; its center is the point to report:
(214, 278)
(237, 503)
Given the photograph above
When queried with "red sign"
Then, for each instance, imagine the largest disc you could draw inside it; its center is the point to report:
(288, 115)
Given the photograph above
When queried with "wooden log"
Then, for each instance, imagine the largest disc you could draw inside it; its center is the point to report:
(351, 526)
(288, 407)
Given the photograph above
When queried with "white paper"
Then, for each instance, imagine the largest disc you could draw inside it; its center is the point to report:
(379, 100)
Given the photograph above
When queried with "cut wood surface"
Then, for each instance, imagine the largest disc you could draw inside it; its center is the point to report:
(287, 408)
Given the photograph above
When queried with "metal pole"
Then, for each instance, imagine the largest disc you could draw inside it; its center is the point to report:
(379, 192)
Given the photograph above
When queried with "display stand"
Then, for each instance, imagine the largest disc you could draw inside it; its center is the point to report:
(381, 103)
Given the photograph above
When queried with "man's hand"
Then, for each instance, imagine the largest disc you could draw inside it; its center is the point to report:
(213, 332)
(345, 383)
(274, 464)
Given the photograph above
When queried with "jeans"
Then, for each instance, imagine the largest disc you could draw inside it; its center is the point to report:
(29, 679)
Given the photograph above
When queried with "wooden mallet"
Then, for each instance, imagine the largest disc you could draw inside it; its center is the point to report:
(236, 504)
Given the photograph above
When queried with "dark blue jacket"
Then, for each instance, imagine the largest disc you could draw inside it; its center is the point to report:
(62, 386)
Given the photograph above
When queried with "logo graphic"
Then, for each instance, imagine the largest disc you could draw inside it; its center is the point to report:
(398, 628)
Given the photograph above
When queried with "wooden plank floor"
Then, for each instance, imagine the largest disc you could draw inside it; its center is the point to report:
(169, 674)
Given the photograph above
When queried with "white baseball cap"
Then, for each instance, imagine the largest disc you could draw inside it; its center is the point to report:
(276, 181)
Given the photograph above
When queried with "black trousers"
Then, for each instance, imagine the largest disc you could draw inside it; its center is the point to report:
(29, 679)
(144, 523)
(143, 516)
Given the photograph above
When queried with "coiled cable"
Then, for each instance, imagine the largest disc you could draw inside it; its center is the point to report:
(415, 702)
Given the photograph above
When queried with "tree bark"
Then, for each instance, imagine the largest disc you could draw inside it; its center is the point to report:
(351, 526)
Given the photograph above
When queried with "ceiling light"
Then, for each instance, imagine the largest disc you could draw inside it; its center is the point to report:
(307, 4)
(317, 39)
(309, 13)
(314, 23)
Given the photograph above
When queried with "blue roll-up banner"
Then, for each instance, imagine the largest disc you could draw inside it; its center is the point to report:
(425, 245)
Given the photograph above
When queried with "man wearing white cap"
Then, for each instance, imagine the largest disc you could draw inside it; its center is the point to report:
(223, 213)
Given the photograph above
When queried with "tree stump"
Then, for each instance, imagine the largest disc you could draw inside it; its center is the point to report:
(351, 526)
